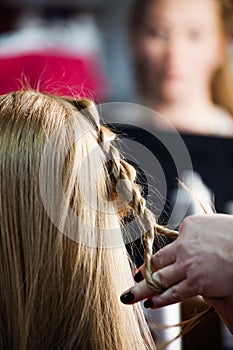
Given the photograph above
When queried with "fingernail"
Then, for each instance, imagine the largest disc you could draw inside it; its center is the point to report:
(138, 277)
(127, 298)
(148, 303)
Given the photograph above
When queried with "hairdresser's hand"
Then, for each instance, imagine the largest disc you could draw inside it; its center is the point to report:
(224, 308)
(199, 262)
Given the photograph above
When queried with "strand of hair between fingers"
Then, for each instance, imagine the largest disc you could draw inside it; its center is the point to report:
(173, 234)
(149, 239)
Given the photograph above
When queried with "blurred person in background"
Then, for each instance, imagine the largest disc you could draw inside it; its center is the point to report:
(180, 52)
(180, 55)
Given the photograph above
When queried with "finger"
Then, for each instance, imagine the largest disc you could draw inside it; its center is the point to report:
(162, 258)
(140, 274)
(174, 294)
(137, 293)
(165, 278)
(169, 275)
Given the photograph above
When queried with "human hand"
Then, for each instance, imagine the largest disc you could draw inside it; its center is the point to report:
(199, 262)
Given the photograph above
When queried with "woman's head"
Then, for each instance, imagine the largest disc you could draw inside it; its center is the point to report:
(57, 292)
(178, 46)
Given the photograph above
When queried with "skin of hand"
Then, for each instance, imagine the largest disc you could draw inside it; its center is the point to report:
(199, 262)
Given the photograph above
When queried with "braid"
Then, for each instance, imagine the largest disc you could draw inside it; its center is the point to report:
(124, 189)
(130, 199)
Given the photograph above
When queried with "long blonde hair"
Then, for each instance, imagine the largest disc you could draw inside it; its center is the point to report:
(59, 291)
(222, 82)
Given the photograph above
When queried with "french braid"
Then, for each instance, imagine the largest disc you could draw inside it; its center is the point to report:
(130, 195)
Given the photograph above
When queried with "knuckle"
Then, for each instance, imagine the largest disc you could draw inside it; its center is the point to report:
(157, 260)
(161, 279)
(194, 286)
(174, 293)
(181, 247)
(187, 265)
(187, 223)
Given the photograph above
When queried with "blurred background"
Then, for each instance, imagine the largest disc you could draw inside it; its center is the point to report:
(89, 30)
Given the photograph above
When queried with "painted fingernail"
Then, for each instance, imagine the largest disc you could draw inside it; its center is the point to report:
(138, 277)
(127, 298)
(148, 303)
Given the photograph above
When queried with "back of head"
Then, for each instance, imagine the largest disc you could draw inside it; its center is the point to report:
(60, 277)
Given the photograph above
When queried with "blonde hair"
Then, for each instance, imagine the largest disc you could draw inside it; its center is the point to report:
(56, 291)
(222, 82)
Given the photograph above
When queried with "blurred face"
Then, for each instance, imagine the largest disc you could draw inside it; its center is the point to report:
(180, 47)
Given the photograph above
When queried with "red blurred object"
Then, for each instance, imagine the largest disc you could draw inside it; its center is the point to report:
(54, 72)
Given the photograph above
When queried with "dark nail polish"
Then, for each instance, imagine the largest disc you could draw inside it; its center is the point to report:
(148, 303)
(127, 298)
(138, 277)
